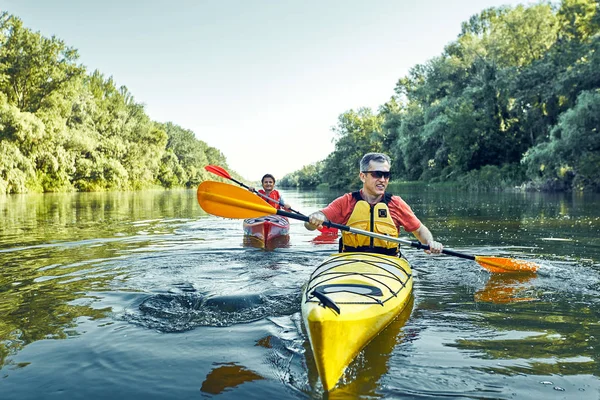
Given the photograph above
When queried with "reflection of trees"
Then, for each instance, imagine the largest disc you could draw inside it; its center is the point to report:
(548, 336)
(507, 219)
(55, 247)
(36, 218)
(39, 309)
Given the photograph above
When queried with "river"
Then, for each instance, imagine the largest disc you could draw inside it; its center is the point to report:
(142, 295)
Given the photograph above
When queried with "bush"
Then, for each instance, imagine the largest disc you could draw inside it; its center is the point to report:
(491, 178)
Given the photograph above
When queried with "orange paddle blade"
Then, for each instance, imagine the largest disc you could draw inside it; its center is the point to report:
(506, 265)
(228, 201)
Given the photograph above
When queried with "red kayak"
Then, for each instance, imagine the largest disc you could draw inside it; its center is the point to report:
(267, 232)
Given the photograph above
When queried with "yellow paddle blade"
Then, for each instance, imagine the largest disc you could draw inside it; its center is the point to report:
(228, 201)
(506, 265)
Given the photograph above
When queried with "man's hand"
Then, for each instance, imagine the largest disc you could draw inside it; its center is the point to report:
(434, 247)
(315, 221)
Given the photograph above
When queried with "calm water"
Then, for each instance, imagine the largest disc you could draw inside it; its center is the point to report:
(144, 296)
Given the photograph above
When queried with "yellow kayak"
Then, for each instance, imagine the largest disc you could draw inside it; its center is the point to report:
(349, 299)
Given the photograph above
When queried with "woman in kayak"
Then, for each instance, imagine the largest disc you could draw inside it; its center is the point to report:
(388, 212)
(270, 194)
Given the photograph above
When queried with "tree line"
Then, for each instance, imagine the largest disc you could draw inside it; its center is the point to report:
(64, 129)
(513, 101)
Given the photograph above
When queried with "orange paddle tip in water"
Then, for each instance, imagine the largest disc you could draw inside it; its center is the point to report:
(506, 265)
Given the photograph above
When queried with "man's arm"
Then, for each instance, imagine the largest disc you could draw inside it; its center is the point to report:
(423, 235)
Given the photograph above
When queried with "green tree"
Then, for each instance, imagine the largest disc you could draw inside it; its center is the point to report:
(572, 156)
(358, 132)
(33, 67)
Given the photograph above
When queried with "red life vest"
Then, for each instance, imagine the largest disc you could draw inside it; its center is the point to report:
(273, 195)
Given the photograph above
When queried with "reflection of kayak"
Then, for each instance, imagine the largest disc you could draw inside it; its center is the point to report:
(266, 230)
(348, 300)
(327, 236)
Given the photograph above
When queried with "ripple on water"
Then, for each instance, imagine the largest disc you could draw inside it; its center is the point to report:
(186, 311)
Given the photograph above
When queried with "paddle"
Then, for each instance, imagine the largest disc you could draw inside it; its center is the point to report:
(228, 201)
(223, 173)
(215, 169)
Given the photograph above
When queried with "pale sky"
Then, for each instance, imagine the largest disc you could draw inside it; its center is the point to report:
(264, 81)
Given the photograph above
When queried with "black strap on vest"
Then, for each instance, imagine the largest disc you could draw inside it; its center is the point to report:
(368, 249)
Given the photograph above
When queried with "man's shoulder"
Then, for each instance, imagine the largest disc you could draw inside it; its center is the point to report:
(396, 200)
(342, 200)
(347, 197)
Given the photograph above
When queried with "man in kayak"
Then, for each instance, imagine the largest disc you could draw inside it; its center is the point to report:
(269, 191)
(388, 212)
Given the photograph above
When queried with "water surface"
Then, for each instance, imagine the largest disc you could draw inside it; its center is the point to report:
(143, 295)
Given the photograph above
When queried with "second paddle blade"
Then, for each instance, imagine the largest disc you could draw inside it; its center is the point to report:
(229, 201)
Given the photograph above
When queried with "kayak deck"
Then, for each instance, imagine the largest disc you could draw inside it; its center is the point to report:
(349, 299)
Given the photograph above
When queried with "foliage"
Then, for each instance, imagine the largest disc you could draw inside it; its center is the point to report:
(62, 129)
(492, 177)
(512, 99)
(307, 177)
(572, 155)
(358, 132)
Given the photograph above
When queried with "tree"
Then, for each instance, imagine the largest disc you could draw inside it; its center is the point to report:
(33, 67)
(358, 132)
(572, 156)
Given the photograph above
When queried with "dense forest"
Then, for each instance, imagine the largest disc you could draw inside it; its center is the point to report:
(63, 129)
(513, 101)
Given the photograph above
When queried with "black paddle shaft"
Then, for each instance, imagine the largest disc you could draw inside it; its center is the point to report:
(346, 228)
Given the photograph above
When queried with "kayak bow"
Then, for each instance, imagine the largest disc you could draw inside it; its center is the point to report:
(349, 299)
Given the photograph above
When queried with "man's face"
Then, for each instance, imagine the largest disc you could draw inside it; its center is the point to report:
(374, 184)
(268, 184)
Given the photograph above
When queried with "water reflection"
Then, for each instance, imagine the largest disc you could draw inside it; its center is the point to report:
(156, 260)
(50, 218)
(511, 220)
(227, 376)
(506, 288)
(326, 237)
(532, 327)
(57, 249)
(277, 242)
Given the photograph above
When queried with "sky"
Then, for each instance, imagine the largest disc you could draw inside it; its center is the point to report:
(263, 81)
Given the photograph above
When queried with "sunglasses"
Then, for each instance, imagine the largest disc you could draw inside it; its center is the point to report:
(378, 174)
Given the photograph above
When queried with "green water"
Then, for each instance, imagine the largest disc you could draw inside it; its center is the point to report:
(111, 290)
